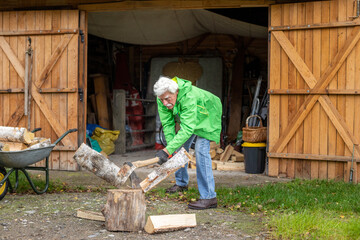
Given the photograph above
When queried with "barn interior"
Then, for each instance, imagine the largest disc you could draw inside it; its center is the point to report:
(224, 51)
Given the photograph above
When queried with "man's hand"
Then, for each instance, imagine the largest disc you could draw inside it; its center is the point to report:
(163, 156)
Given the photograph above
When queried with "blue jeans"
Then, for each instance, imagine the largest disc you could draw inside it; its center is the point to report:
(204, 172)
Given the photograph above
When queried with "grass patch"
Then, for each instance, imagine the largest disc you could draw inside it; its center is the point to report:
(300, 209)
(314, 225)
(55, 186)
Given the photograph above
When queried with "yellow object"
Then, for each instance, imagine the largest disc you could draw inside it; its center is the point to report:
(106, 139)
(249, 144)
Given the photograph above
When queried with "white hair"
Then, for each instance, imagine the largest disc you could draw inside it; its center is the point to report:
(165, 84)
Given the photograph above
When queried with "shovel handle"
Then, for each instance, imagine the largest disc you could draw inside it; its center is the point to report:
(145, 162)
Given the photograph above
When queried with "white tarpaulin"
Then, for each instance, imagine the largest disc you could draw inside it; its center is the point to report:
(166, 26)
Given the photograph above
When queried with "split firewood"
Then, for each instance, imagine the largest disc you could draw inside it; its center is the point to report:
(219, 150)
(214, 145)
(237, 157)
(229, 166)
(4, 147)
(98, 164)
(227, 153)
(15, 134)
(165, 223)
(97, 216)
(38, 140)
(14, 146)
(43, 143)
(212, 153)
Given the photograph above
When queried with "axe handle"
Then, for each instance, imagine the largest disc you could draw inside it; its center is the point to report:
(145, 162)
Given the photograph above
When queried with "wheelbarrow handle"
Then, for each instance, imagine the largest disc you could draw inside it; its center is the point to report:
(36, 130)
(66, 133)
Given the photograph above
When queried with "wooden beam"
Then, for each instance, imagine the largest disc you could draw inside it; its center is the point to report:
(38, 32)
(16, 116)
(172, 5)
(314, 26)
(315, 157)
(340, 124)
(12, 90)
(318, 92)
(57, 90)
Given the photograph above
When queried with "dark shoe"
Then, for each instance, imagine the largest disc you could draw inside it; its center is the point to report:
(176, 188)
(203, 204)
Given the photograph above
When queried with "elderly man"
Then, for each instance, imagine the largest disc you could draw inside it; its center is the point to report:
(199, 114)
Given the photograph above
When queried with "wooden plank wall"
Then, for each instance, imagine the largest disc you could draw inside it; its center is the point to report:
(63, 106)
(317, 135)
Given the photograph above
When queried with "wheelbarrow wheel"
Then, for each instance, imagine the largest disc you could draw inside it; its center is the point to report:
(4, 187)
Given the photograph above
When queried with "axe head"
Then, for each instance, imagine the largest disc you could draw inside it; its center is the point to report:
(125, 171)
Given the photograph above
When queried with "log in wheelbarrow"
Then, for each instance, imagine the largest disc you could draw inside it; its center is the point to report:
(20, 160)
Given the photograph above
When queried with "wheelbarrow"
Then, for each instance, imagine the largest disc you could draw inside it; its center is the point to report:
(20, 160)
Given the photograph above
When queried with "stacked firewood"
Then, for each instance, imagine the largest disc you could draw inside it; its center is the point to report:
(226, 159)
(16, 139)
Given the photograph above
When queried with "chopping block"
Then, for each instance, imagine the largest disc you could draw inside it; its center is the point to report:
(125, 210)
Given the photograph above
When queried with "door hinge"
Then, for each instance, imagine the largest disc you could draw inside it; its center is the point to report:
(81, 94)
(269, 37)
(82, 36)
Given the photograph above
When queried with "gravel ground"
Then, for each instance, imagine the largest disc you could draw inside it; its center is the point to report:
(53, 216)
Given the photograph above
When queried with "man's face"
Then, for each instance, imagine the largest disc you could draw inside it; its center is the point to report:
(168, 99)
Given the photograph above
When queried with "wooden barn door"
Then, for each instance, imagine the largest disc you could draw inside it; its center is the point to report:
(53, 38)
(314, 87)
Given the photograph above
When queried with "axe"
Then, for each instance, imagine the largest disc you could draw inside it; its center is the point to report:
(127, 170)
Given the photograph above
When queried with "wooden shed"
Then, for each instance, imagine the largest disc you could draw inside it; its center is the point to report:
(311, 75)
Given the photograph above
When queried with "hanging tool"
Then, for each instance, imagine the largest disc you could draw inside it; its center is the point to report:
(28, 71)
(256, 102)
(352, 165)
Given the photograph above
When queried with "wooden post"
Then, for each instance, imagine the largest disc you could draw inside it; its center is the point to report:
(101, 91)
(119, 112)
(125, 210)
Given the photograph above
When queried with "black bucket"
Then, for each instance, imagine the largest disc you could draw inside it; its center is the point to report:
(254, 157)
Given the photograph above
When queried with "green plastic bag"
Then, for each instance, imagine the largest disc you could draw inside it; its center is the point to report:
(106, 139)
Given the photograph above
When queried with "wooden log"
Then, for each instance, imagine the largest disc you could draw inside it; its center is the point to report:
(98, 164)
(165, 223)
(227, 153)
(15, 134)
(125, 210)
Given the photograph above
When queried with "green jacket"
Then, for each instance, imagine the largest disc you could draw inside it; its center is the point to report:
(199, 112)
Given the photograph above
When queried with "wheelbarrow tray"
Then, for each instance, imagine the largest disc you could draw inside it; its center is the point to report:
(23, 158)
